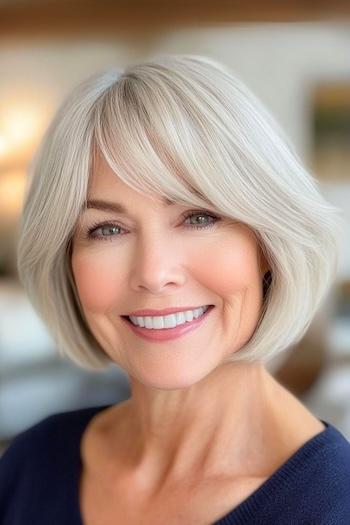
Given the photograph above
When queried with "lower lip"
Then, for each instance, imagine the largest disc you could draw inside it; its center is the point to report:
(166, 334)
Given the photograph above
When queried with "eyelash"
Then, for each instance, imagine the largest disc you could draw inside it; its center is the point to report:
(89, 234)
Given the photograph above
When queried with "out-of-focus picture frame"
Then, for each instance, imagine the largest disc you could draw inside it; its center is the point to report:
(331, 131)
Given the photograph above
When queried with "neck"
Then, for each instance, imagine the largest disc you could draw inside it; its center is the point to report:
(206, 430)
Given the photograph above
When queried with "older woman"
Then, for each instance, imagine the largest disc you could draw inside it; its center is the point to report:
(169, 230)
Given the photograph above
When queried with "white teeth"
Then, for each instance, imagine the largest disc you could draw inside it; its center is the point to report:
(137, 320)
(180, 317)
(157, 322)
(189, 316)
(149, 321)
(199, 311)
(168, 321)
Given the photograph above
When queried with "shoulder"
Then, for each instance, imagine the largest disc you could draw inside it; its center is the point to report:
(41, 457)
(317, 479)
(330, 470)
(330, 455)
(47, 433)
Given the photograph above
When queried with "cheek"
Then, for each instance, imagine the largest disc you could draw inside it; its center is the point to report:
(231, 270)
(231, 265)
(97, 284)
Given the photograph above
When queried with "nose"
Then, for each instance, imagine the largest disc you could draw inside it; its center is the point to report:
(158, 264)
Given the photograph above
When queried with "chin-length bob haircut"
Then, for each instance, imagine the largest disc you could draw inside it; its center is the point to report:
(185, 128)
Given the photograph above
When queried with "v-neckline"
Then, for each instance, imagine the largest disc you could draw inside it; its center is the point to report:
(264, 491)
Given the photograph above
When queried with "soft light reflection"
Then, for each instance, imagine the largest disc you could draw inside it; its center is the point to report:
(2, 145)
(12, 188)
(21, 127)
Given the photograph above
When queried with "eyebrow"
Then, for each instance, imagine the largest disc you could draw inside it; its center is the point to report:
(116, 207)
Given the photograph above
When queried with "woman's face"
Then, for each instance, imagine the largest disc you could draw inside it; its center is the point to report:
(153, 256)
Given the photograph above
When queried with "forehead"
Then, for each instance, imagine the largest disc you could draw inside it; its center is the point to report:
(104, 184)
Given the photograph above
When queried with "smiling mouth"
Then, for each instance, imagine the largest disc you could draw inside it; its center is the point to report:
(160, 335)
(208, 308)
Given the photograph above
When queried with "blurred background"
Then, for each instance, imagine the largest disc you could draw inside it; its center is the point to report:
(295, 55)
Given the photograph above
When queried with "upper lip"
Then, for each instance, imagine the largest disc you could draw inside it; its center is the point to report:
(166, 311)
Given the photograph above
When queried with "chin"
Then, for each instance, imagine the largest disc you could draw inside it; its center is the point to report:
(172, 379)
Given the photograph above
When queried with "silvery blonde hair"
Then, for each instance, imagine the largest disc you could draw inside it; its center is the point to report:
(185, 128)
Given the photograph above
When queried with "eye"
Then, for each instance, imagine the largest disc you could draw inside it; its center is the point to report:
(107, 231)
(201, 224)
(103, 231)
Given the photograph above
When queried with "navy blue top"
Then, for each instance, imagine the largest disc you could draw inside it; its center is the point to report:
(40, 471)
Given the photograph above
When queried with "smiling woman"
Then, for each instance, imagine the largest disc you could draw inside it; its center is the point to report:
(168, 229)
(159, 252)
(184, 129)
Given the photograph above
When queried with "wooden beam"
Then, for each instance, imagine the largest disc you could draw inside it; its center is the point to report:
(82, 17)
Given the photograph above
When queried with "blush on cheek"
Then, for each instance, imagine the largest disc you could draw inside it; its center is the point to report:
(95, 284)
(231, 266)
(232, 270)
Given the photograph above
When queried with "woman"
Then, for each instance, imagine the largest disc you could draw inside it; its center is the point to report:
(159, 189)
